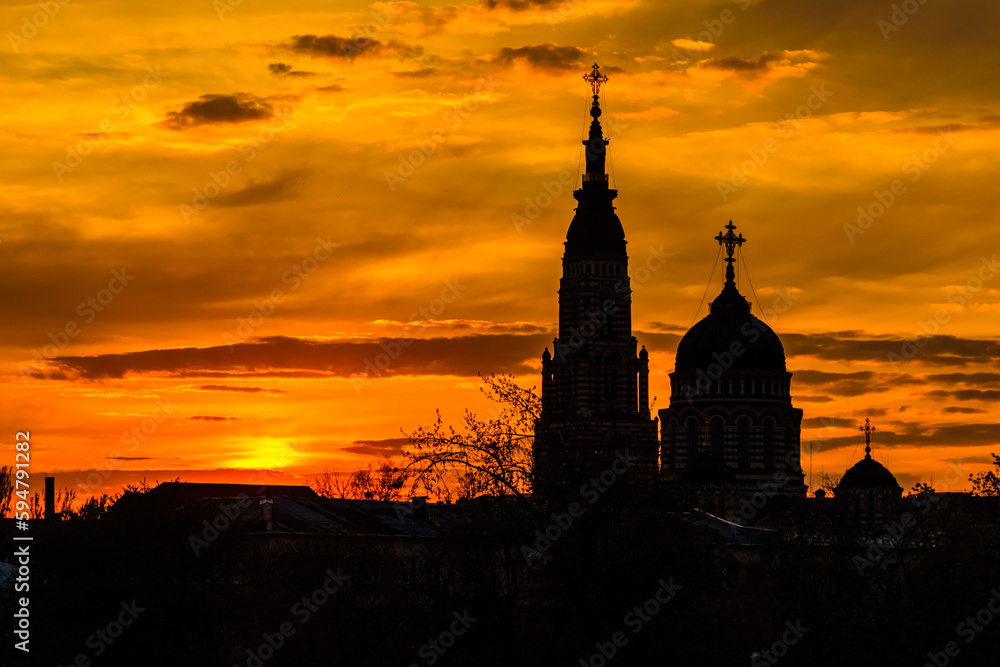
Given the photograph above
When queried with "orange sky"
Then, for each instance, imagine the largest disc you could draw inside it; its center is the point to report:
(214, 213)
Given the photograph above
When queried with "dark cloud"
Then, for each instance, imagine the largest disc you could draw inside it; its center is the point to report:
(463, 356)
(967, 394)
(853, 346)
(246, 390)
(417, 74)
(387, 447)
(545, 56)
(736, 64)
(212, 418)
(852, 384)
(130, 458)
(235, 108)
(827, 422)
(955, 409)
(522, 5)
(348, 48)
(923, 435)
(261, 193)
(284, 69)
(982, 379)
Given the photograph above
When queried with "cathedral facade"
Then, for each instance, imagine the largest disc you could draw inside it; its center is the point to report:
(730, 425)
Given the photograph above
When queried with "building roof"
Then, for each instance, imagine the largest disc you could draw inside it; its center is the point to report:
(867, 474)
(730, 327)
(729, 336)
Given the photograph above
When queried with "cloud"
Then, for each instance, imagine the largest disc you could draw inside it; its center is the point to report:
(212, 418)
(852, 384)
(737, 64)
(387, 447)
(549, 56)
(479, 326)
(384, 357)
(968, 394)
(284, 69)
(130, 458)
(856, 346)
(210, 109)
(523, 5)
(348, 48)
(954, 409)
(982, 379)
(827, 422)
(416, 74)
(247, 390)
(757, 72)
(915, 434)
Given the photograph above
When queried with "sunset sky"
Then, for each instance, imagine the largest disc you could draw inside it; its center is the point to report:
(216, 216)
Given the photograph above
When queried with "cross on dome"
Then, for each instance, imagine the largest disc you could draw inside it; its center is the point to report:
(868, 429)
(731, 241)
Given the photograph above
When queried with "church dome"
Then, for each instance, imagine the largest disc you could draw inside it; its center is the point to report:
(867, 474)
(729, 331)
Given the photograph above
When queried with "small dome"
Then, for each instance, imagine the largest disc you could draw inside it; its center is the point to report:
(729, 322)
(867, 474)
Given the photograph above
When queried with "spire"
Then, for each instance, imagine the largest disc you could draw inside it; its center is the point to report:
(596, 229)
(596, 143)
(731, 242)
(868, 429)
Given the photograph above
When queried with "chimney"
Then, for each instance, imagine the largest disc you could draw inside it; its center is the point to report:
(50, 498)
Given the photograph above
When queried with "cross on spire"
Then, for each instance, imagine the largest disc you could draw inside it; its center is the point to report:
(596, 143)
(595, 79)
(731, 241)
(868, 429)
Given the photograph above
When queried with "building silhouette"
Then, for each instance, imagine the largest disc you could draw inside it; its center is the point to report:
(595, 383)
(868, 494)
(730, 426)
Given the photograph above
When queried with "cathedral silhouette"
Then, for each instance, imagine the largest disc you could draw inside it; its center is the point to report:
(730, 429)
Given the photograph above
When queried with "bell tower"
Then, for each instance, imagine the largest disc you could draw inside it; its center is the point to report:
(595, 395)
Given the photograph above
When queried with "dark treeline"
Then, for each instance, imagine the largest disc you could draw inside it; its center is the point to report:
(631, 578)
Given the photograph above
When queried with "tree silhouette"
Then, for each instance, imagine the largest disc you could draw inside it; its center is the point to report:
(384, 482)
(987, 483)
(6, 489)
(484, 456)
